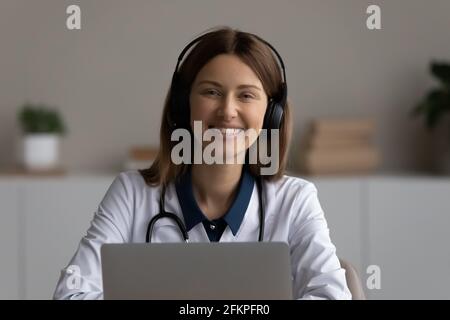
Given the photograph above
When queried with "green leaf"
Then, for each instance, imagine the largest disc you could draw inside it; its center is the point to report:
(442, 72)
(435, 104)
(40, 119)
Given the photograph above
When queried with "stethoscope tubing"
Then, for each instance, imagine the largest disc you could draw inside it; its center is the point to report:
(164, 214)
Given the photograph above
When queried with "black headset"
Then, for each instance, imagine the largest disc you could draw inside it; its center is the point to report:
(179, 113)
(179, 101)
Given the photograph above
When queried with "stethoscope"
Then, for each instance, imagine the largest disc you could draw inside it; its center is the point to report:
(164, 214)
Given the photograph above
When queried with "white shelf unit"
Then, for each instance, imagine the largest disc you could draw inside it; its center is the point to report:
(397, 223)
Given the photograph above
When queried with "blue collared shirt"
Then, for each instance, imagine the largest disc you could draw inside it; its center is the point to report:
(232, 218)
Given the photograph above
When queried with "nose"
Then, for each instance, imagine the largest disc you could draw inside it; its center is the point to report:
(227, 108)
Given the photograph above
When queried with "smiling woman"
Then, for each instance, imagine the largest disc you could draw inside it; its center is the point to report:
(219, 99)
(229, 83)
(226, 81)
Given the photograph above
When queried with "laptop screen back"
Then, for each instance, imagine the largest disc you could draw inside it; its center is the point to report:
(204, 271)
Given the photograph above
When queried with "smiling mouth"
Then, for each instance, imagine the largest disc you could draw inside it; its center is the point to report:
(228, 132)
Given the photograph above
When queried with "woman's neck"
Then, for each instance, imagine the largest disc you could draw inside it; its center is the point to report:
(215, 187)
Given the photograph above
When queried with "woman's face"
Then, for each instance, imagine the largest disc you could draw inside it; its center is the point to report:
(227, 94)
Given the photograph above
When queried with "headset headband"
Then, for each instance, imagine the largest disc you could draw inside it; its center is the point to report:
(280, 60)
(276, 104)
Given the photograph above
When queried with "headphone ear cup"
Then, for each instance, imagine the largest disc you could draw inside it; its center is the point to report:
(268, 115)
(173, 102)
(179, 106)
(277, 116)
(273, 116)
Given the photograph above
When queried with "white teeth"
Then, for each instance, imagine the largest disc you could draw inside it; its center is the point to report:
(229, 131)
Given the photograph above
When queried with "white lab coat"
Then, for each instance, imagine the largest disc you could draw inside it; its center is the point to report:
(293, 215)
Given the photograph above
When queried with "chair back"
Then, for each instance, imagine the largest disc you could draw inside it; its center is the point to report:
(353, 280)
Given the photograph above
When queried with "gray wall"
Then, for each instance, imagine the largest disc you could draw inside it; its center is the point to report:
(110, 78)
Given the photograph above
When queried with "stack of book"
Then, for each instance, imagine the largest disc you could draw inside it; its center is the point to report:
(140, 157)
(340, 146)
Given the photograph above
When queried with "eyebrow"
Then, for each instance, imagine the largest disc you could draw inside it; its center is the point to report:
(242, 86)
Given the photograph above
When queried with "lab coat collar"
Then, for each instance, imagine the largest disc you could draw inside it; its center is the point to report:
(233, 217)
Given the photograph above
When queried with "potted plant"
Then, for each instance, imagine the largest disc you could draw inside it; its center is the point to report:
(42, 128)
(437, 102)
(435, 108)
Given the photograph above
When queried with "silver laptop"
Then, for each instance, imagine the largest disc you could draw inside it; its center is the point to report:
(203, 271)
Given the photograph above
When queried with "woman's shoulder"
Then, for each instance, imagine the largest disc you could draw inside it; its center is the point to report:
(133, 181)
(293, 184)
(292, 198)
(133, 176)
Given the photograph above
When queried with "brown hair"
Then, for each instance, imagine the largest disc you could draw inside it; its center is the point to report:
(254, 53)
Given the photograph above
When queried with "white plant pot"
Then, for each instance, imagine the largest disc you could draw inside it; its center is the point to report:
(41, 151)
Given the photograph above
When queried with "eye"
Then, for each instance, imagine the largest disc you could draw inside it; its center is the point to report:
(212, 92)
(247, 96)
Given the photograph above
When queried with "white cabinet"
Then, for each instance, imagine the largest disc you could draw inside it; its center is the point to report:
(10, 240)
(399, 224)
(57, 214)
(409, 222)
(341, 201)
